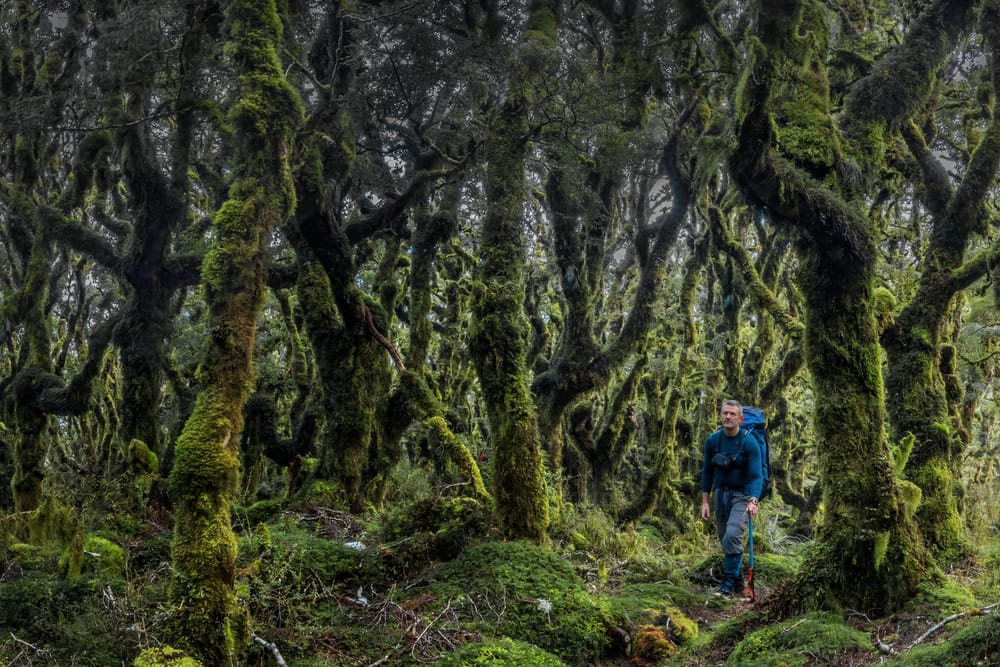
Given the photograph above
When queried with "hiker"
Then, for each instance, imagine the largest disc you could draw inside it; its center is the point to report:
(732, 468)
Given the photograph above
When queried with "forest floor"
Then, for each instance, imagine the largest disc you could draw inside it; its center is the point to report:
(430, 583)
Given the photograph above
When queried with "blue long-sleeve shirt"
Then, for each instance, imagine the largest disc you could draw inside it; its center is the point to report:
(746, 478)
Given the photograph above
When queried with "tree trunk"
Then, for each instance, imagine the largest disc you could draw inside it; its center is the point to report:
(204, 478)
(920, 355)
(498, 334)
(868, 554)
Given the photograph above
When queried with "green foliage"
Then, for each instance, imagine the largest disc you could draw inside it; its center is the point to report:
(288, 558)
(444, 527)
(939, 595)
(801, 641)
(99, 555)
(76, 621)
(503, 652)
(769, 569)
(260, 512)
(535, 595)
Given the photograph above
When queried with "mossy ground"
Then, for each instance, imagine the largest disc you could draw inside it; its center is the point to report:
(431, 584)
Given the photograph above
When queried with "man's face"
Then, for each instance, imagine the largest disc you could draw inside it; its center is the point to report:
(731, 418)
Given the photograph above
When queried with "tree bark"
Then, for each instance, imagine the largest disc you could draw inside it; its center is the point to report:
(868, 554)
(204, 478)
(498, 334)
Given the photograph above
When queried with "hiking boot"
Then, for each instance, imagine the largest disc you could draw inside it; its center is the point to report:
(726, 589)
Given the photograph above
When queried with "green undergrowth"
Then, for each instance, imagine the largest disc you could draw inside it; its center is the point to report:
(95, 617)
(502, 652)
(526, 592)
(769, 569)
(806, 640)
(975, 643)
(428, 583)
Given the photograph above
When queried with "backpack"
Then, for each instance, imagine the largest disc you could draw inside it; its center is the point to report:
(755, 424)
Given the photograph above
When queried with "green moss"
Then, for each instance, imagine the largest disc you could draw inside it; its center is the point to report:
(99, 555)
(939, 595)
(938, 512)
(258, 513)
(975, 643)
(460, 456)
(651, 645)
(164, 656)
(294, 557)
(502, 652)
(805, 640)
(76, 622)
(881, 547)
(884, 307)
(544, 600)
(447, 526)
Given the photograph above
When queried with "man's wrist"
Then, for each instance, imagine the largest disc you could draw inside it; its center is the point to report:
(753, 500)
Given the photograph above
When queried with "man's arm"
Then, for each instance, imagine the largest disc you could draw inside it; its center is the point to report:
(706, 478)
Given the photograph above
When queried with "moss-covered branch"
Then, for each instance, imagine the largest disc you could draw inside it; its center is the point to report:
(760, 292)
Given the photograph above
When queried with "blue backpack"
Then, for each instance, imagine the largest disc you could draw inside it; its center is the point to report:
(755, 424)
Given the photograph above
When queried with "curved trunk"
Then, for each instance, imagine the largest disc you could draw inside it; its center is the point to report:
(919, 354)
(868, 554)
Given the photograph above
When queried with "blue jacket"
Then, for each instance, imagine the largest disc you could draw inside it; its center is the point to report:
(745, 477)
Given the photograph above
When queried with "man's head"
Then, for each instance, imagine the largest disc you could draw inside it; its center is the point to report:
(732, 417)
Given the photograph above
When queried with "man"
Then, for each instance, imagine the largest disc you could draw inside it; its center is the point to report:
(732, 468)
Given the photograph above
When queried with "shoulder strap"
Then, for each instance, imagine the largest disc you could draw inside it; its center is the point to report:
(743, 440)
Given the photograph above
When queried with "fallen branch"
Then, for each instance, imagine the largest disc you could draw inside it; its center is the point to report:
(982, 611)
(273, 648)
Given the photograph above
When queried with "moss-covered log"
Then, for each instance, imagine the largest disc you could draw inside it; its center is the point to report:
(204, 478)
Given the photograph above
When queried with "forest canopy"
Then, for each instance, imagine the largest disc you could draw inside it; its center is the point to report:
(345, 255)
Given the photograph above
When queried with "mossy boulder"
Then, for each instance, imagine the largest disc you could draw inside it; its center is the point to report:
(503, 652)
(535, 595)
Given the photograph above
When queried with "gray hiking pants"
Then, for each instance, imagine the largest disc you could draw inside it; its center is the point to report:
(730, 519)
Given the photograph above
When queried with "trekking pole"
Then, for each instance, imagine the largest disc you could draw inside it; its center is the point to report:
(748, 592)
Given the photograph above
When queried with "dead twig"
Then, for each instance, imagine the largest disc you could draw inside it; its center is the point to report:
(982, 611)
(273, 648)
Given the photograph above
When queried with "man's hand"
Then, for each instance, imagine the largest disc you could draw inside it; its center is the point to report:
(752, 508)
(705, 512)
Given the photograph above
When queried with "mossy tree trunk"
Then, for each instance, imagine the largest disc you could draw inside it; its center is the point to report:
(30, 78)
(499, 328)
(920, 356)
(158, 201)
(205, 474)
(868, 553)
(583, 192)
